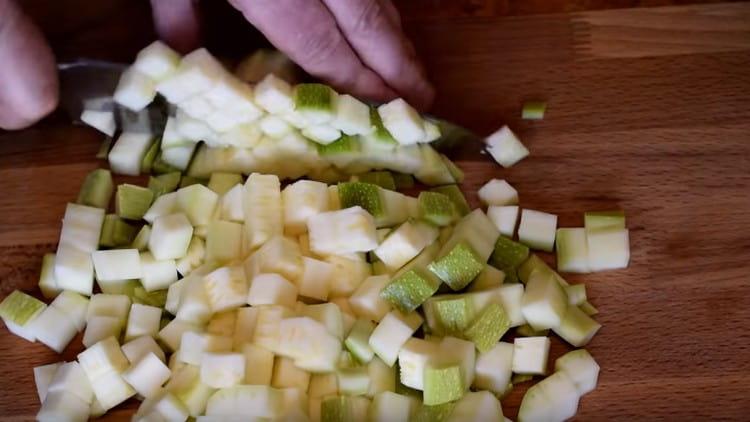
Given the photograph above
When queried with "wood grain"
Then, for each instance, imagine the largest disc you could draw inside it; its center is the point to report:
(647, 112)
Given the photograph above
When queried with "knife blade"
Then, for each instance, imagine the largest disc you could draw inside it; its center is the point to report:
(90, 84)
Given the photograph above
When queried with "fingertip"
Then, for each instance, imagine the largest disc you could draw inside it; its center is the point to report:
(422, 96)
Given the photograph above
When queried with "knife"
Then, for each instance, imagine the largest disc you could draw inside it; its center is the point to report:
(89, 84)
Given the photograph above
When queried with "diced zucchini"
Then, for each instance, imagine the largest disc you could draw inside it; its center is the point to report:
(344, 409)
(537, 230)
(366, 301)
(581, 368)
(341, 232)
(459, 266)
(505, 218)
(442, 384)
(533, 110)
(608, 248)
(530, 355)
(170, 236)
(576, 327)
(391, 333)
(262, 208)
(436, 208)
(498, 192)
(488, 327)
(147, 375)
(505, 147)
(455, 195)
(477, 406)
(222, 370)
(508, 254)
(314, 102)
(357, 341)
(391, 407)
(494, 368)
(553, 399)
(572, 251)
(593, 220)
(47, 283)
(410, 289)
(286, 375)
(132, 202)
(544, 302)
(402, 122)
(96, 190)
(127, 153)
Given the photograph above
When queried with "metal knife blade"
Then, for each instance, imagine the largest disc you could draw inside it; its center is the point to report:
(90, 84)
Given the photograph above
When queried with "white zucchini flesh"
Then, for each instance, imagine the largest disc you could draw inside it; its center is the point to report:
(143, 320)
(555, 398)
(193, 345)
(537, 230)
(63, 405)
(581, 368)
(315, 279)
(405, 243)
(494, 368)
(302, 200)
(258, 365)
(157, 60)
(231, 205)
(262, 208)
(309, 343)
(402, 121)
(530, 355)
(170, 236)
(135, 90)
(274, 95)
(413, 357)
(147, 375)
(477, 406)
(505, 147)
(352, 116)
(544, 302)
(171, 334)
(198, 203)
(608, 248)
(71, 378)
(271, 289)
(103, 121)
(366, 301)
(388, 406)
(43, 376)
(505, 218)
(498, 192)
(572, 250)
(247, 401)
(287, 375)
(117, 264)
(127, 153)
(100, 327)
(222, 370)
(391, 334)
(157, 274)
(342, 232)
(226, 288)
(53, 328)
(137, 348)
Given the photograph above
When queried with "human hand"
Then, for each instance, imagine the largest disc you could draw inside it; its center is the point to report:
(355, 45)
(28, 77)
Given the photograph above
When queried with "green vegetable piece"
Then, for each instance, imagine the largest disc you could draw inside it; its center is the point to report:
(313, 97)
(576, 294)
(604, 220)
(521, 378)
(436, 208)
(20, 308)
(160, 166)
(157, 298)
(443, 384)
(459, 267)
(365, 195)
(456, 196)
(357, 340)
(141, 239)
(344, 145)
(588, 308)
(531, 264)
(437, 413)
(381, 134)
(104, 148)
(533, 110)
(508, 254)
(488, 328)
(116, 232)
(344, 409)
(147, 162)
(47, 283)
(527, 330)
(97, 189)
(384, 179)
(409, 290)
(190, 181)
(511, 276)
(164, 183)
(577, 328)
(403, 181)
(454, 313)
(453, 169)
(222, 182)
(132, 202)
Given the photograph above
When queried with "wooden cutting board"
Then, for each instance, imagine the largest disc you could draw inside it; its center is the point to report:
(648, 112)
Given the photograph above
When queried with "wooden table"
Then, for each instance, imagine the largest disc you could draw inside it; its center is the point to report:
(648, 112)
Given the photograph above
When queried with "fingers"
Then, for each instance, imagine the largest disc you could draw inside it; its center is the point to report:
(308, 34)
(382, 47)
(28, 76)
(392, 13)
(177, 23)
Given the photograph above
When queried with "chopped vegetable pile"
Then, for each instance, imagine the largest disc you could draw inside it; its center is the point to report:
(214, 296)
